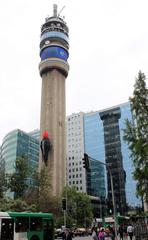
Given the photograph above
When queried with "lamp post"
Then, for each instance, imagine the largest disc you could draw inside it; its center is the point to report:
(112, 190)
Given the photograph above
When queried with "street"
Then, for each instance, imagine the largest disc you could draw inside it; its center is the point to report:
(90, 238)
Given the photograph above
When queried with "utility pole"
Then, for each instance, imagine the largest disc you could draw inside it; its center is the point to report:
(112, 190)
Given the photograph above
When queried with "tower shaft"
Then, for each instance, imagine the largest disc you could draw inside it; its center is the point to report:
(53, 120)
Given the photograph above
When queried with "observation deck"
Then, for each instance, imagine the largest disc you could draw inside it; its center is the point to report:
(54, 45)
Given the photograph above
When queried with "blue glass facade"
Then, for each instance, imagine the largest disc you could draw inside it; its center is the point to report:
(19, 144)
(94, 147)
(9, 151)
(35, 133)
(127, 161)
(113, 157)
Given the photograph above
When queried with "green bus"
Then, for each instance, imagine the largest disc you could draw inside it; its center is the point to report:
(26, 226)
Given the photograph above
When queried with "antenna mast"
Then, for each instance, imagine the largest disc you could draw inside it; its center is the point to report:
(55, 10)
(61, 11)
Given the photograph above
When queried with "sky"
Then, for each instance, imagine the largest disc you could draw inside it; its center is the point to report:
(108, 46)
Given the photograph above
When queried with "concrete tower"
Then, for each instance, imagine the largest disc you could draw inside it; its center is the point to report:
(54, 45)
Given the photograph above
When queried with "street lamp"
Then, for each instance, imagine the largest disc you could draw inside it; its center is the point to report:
(112, 189)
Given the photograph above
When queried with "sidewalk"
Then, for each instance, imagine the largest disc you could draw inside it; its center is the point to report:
(126, 238)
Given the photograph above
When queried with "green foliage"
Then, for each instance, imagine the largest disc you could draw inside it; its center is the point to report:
(17, 181)
(7, 204)
(40, 193)
(78, 207)
(136, 134)
(3, 182)
(70, 222)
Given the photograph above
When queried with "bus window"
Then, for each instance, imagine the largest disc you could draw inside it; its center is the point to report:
(22, 224)
(7, 226)
(35, 224)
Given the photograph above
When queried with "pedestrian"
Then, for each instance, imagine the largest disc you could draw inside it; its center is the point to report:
(130, 231)
(112, 231)
(69, 235)
(108, 235)
(101, 234)
(94, 233)
(121, 231)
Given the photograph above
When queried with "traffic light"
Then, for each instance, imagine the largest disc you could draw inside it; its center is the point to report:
(86, 163)
(64, 205)
(109, 208)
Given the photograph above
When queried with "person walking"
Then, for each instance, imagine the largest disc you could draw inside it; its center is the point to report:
(121, 231)
(108, 235)
(130, 231)
(101, 234)
(94, 233)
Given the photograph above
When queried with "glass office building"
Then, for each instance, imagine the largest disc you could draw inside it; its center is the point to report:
(95, 180)
(100, 138)
(19, 144)
(94, 147)
(113, 157)
(35, 133)
(130, 185)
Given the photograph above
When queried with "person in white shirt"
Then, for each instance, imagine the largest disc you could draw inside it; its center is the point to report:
(130, 231)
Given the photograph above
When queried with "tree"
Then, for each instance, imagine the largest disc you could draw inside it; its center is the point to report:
(78, 206)
(40, 193)
(136, 134)
(17, 181)
(3, 182)
(8, 204)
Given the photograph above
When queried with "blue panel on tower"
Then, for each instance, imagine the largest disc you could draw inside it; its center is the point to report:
(54, 52)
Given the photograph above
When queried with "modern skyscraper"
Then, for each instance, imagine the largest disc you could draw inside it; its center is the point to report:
(54, 46)
(17, 144)
(98, 138)
(75, 152)
(35, 133)
(113, 157)
(93, 146)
